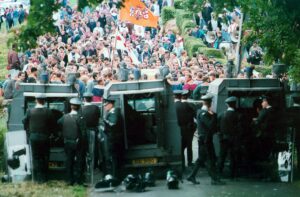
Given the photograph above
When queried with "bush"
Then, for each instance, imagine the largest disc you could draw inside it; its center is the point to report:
(187, 24)
(184, 21)
(179, 4)
(264, 70)
(192, 45)
(167, 14)
(2, 135)
(217, 53)
(180, 13)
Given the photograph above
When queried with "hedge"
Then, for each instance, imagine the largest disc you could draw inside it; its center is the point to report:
(217, 53)
(264, 70)
(181, 17)
(179, 4)
(167, 14)
(192, 45)
(187, 24)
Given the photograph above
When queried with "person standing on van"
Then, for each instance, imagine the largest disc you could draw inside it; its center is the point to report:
(73, 127)
(38, 123)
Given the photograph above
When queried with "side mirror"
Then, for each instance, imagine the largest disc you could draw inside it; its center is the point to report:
(13, 162)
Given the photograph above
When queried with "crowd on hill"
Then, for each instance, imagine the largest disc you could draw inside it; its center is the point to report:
(98, 48)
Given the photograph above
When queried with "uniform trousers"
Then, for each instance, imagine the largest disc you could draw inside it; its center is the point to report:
(207, 156)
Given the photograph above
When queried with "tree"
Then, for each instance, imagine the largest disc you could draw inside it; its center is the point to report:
(275, 23)
(40, 21)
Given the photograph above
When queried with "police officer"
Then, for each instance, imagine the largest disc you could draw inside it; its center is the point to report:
(180, 114)
(228, 123)
(207, 126)
(185, 116)
(265, 123)
(113, 131)
(91, 114)
(73, 127)
(293, 116)
(38, 123)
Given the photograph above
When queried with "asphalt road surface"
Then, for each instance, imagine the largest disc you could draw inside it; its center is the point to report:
(237, 188)
(242, 188)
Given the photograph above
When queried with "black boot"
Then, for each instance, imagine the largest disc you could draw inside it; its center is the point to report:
(193, 180)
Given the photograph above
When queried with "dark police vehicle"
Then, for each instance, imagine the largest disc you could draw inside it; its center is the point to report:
(151, 134)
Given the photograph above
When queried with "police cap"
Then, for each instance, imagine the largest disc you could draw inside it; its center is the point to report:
(75, 101)
(207, 97)
(265, 97)
(40, 96)
(87, 95)
(185, 92)
(231, 99)
(107, 101)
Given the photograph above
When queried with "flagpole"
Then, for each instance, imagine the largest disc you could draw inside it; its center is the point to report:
(113, 54)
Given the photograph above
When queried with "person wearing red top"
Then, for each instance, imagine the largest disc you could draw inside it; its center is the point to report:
(189, 84)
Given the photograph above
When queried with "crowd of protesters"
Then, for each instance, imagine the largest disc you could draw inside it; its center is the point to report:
(12, 16)
(87, 44)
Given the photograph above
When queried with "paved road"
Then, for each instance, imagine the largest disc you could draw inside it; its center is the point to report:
(243, 188)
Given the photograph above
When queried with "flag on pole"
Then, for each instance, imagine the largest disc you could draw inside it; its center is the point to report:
(137, 13)
(121, 44)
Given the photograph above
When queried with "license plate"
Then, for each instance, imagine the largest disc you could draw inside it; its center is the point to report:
(55, 165)
(144, 161)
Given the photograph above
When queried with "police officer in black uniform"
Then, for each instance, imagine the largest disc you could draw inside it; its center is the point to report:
(113, 131)
(185, 117)
(207, 126)
(73, 127)
(293, 118)
(228, 124)
(38, 123)
(91, 114)
(265, 123)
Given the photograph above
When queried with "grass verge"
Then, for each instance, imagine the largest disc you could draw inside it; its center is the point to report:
(3, 54)
(51, 189)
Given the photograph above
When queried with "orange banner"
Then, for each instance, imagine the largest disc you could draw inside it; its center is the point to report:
(136, 12)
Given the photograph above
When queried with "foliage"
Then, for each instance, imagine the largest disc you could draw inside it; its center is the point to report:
(167, 14)
(192, 45)
(40, 21)
(3, 54)
(180, 13)
(184, 20)
(275, 23)
(217, 53)
(264, 70)
(186, 24)
(193, 5)
(51, 189)
(3, 129)
(295, 67)
(179, 4)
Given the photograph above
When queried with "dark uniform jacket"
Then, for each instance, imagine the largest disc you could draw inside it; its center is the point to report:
(228, 123)
(39, 121)
(206, 123)
(113, 127)
(185, 114)
(266, 121)
(91, 114)
(73, 127)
